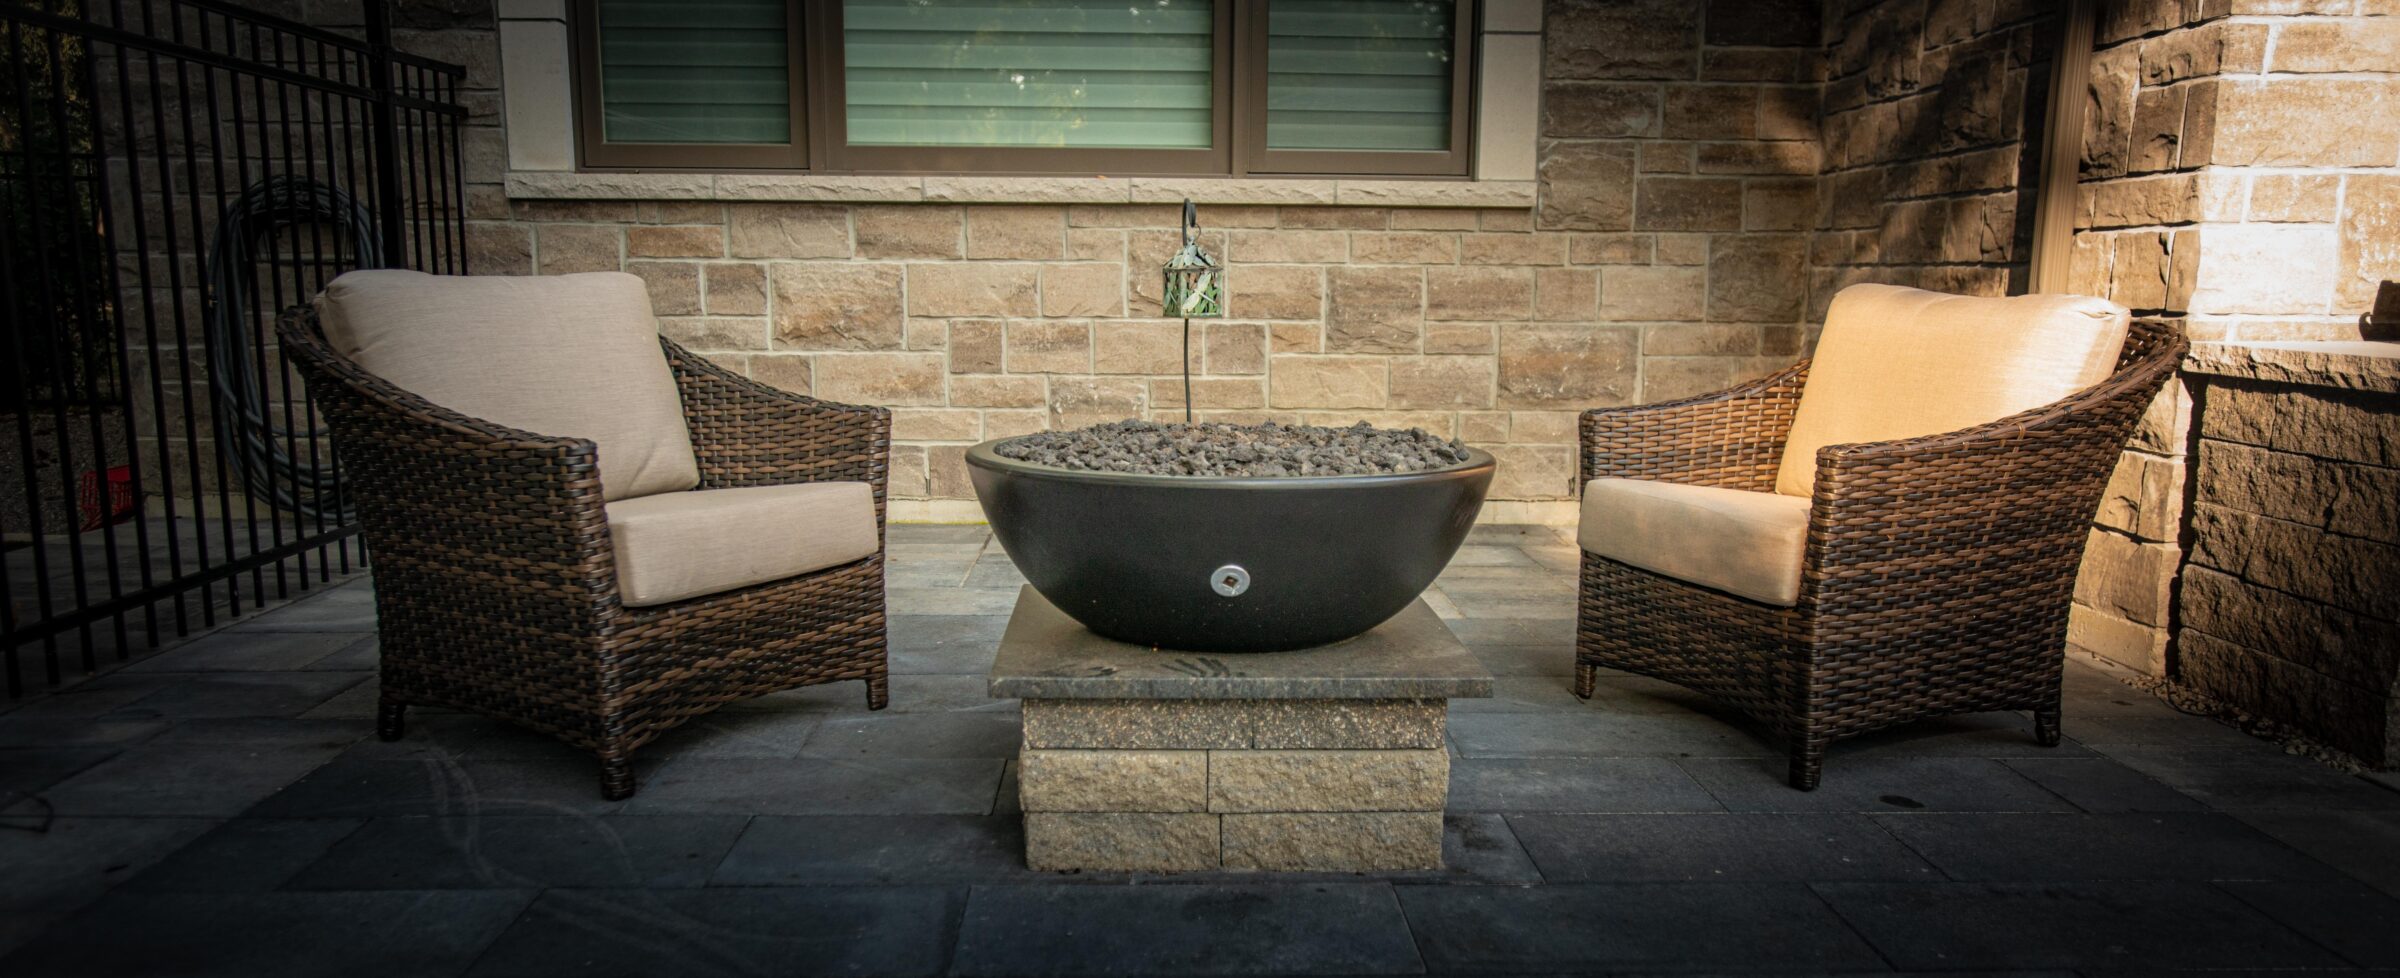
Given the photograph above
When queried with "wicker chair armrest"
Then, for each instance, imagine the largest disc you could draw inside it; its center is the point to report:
(444, 491)
(749, 434)
(1996, 505)
(1732, 438)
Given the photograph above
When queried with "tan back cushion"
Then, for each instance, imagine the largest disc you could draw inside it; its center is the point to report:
(563, 355)
(1902, 363)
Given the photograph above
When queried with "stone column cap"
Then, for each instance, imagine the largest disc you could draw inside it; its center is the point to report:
(2360, 365)
(1047, 655)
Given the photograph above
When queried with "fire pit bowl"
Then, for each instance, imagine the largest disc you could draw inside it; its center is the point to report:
(1228, 563)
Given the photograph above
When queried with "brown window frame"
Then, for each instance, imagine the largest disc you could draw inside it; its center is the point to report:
(818, 114)
(1261, 160)
(596, 153)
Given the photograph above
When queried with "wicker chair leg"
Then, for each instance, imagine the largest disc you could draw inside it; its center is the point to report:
(391, 719)
(1587, 679)
(879, 688)
(616, 776)
(1808, 763)
(2045, 724)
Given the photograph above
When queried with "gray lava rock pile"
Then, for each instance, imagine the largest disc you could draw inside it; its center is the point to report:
(1270, 449)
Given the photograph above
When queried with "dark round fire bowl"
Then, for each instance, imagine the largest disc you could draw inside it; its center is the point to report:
(1227, 564)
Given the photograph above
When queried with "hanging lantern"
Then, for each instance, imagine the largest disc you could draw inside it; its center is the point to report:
(1195, 282)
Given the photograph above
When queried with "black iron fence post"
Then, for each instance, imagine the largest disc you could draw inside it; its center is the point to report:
(386, 158)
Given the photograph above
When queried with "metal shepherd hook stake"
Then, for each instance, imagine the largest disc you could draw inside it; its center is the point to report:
(1195, 289)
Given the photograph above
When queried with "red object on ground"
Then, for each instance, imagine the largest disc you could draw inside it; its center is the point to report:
(120, 497)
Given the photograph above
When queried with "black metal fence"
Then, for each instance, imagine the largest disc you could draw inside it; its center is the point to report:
(172, 173)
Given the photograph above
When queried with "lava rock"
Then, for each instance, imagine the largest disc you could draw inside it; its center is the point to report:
(1211, 449)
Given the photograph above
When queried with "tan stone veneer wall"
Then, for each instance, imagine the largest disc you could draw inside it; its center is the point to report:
(1677, 171)
(2241, 179)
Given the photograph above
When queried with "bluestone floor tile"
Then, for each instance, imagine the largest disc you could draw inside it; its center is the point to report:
(738, 734)
(2352, 920)
(16, 731)
(239, 694)
(832, 850)
(2121, 925)
(246, 854)
(909, 534)
(2154, 731)
(2100, 784)
(58, 864)
(953, 644)
(883, 930)
(428, 785)
(251, 935)
(1556, 634)
(1715, 848)
(1550, 694)
(946, 735)
(1630, 928)
(345, 608)
(2248, 778)
(1596, 734)
(1575, 784)
(2036, 848)
(2364, 844)
(525, 852)
(822, 786)
(29, 771)
(229, 651)
(1876, 785)
(1548, 661)
(186, 779)
(1185, 929)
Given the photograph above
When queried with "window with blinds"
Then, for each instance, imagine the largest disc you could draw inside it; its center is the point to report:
(1101, 74)
(1359, 74)
(695, 71)
(1182, 87)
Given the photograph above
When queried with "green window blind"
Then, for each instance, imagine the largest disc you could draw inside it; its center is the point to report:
(714, 71)
(1359, 74)
(1046, 73)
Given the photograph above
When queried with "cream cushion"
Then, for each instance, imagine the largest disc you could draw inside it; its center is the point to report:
(677, 545)
(1745, 543)
(561, 355)
(1902, 363)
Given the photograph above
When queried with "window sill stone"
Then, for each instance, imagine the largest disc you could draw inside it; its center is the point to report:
(836, 188)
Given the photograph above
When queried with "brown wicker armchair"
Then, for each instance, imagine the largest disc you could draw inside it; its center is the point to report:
(1937, 571)
(496, 581)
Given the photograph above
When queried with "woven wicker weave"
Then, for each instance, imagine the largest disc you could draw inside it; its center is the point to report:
(1938, 572)
(495, 583)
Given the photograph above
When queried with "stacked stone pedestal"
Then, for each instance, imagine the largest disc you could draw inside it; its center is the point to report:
(1327, 759)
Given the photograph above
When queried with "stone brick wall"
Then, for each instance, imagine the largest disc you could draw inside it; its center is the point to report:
(2241, 179)
(2287, 602)
(1933, 113)
(1665, 258)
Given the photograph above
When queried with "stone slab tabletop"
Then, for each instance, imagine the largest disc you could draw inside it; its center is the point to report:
(1047, 655)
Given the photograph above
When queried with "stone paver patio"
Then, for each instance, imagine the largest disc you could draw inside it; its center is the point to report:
(224, 809)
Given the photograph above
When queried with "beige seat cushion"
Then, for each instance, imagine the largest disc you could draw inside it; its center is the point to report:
(1745, 543)
(1902, 363)
(677, 545)
(562, 355)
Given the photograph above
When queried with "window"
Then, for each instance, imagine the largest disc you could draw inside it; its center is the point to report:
(1184, 87)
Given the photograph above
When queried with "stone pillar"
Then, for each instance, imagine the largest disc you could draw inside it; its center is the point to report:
(1328, 759)
(2291, 597)
(1163, 786)
(2226, 188)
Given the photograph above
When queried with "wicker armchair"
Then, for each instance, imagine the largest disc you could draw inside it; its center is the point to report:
(1937, 571)
(496, 584)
